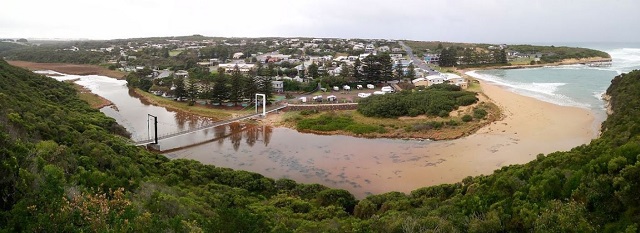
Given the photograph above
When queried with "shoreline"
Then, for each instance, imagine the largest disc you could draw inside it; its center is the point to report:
(527, 66)
(529, 127)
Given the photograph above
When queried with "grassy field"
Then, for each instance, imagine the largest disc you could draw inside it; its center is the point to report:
(220, 114)
(174, 53)
(436, 128)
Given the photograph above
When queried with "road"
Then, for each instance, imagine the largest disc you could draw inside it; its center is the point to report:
(417, 61)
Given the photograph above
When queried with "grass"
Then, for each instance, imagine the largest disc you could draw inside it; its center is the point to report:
(351, 121)
(334, 122)
(521, 61)
(220, 114)
(174, 53)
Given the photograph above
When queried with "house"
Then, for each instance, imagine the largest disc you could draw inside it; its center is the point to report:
(229, 67)
(370, 48)
(420, 82)
(432, 58)
(434, 79)
(181, 74)
(278, 86)
(237, 55)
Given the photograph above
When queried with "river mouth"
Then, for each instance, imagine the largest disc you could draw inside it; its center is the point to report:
(359, 165)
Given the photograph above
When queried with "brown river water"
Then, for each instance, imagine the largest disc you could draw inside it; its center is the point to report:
(361, 166)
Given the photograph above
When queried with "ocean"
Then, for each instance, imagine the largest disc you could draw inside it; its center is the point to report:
(569, 85)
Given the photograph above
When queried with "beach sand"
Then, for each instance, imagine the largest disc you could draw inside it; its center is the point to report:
(530, 127)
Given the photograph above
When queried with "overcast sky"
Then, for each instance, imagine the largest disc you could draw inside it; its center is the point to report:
(493, 21)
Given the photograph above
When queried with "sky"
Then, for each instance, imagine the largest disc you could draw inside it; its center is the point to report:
(488, 21)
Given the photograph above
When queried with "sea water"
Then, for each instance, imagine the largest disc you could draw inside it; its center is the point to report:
(569, 85)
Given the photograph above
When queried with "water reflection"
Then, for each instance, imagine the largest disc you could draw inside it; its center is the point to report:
(234, 133)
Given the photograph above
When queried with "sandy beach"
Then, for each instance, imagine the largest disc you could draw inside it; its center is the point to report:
(530, 127)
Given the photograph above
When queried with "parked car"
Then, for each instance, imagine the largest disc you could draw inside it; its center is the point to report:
(317, 98)
(358, 86)
(346, 88)
(364, 95)
(370, 86)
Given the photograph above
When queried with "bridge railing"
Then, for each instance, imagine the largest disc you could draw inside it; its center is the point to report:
(207, 126)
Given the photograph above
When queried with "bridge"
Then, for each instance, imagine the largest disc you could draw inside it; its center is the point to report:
(209, 126)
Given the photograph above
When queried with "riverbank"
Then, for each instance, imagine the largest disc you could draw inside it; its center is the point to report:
(75, 69)
(94, 100)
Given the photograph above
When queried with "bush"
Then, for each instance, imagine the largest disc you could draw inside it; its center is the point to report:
(467, 118)
(443, 113)
(479, 113)
(414, 112)
(432, 101)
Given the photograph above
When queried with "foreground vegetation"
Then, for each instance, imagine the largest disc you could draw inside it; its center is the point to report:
(63, 168)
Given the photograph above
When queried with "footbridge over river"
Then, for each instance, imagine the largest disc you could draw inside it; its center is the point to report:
(208, 126)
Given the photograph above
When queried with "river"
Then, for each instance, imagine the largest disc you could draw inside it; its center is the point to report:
(361, 166)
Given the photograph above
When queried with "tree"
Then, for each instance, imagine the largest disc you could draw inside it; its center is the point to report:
(313, 70)
(180, 90)
(502, 57)
(386, 67)
(399, 71)
(371, 68)
(270, 70)
(357, 69)
(192, 89)
(345, 71)
(411, 73)
(250, 87)
(448, 57)
(235, 91)
(220, 91)
(265, 87)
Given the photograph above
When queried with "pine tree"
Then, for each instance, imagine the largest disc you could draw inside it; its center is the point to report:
(345, 71)
(266, 87)
(250, 87)
(180, 90)
(192, 90)
(371, 68)
(235, 91)
(220, 91)
(357, 69)
(411, 73)
(386, 67)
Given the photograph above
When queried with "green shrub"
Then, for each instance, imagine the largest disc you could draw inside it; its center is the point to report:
(443, 113)
(467, 118)
(479, 113)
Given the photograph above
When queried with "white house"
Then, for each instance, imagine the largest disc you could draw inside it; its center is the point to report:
(435, 79)
(237, 55)
(278, 86)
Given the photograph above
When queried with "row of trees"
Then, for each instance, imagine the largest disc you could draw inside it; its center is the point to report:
(200, 84)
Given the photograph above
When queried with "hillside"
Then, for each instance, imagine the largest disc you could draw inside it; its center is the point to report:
(65, 169)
